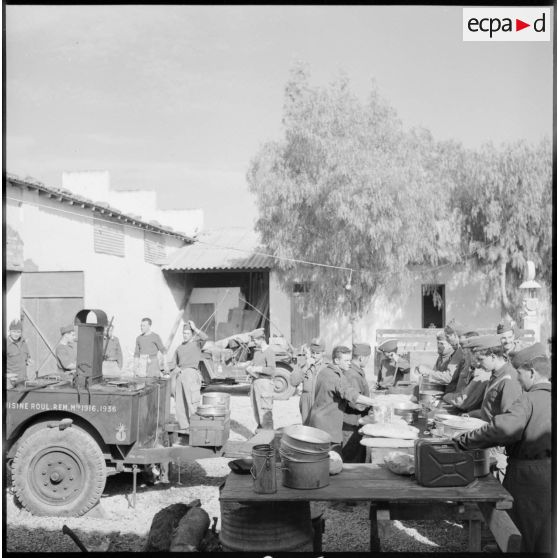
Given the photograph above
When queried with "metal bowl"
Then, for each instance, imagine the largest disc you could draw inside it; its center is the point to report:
(306, 438)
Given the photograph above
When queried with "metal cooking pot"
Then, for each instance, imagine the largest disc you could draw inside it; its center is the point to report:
(216, 398)
(300, 447)
(481, 462)
(427, 385)
(306, 438)
(211, 411)
(407, 411)
(293, 455)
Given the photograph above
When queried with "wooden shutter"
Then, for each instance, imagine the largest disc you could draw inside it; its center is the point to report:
(155, 248)
(108, 238)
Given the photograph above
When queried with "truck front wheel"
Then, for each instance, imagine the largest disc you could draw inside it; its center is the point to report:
(282, 388)
(58, 472)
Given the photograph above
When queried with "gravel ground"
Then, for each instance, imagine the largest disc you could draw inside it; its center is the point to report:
(127, 528)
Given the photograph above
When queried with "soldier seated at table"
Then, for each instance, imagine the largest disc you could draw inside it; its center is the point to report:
(393, 368)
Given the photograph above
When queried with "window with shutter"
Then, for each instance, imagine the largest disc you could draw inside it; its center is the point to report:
(155, 248)
(108, 238)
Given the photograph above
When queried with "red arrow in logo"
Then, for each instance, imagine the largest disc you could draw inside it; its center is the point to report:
(519, 25)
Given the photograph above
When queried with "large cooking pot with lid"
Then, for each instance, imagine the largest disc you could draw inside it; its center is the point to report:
(211, 411)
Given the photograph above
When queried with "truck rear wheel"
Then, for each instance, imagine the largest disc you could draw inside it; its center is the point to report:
(59, 472)
(282, 388)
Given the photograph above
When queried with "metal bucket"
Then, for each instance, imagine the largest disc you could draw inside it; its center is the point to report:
(266, 527)
(263, 469)
(216, 399)
(304, 475)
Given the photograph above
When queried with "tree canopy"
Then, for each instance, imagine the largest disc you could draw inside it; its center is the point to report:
(349, 186)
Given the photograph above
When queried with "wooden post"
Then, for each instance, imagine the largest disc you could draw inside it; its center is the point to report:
(474, 535)
(375, 545)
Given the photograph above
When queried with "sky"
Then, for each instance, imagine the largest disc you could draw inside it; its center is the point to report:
(180, 98)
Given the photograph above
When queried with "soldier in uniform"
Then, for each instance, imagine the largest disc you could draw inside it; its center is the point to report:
(393, 368)
(112, 358)
(332, 393)
(525, 429)
(262, 370)
(66, 351)
(306, 374)
(508, 337)
(352, 450)
(17, 352)
(146, 355)
(185, 364)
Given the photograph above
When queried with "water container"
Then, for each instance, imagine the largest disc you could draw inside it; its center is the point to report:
(266, 527)
(263, 469)
(303, 474)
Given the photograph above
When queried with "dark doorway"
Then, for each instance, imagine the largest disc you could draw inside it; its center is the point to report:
(433, 306)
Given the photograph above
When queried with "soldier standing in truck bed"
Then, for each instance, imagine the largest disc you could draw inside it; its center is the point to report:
(112, 358)
(66, 351)
(148, 347)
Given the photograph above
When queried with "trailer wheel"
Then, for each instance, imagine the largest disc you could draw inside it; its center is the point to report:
(59, 472)
(282, 388)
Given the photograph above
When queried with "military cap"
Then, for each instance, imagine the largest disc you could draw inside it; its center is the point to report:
(389, 346)
(66, 329)
(361, 349)
(317, 345)
(484, 342)
(541, 364)
(258, 333)
(454, 327)
(505, 325)
(15, 325)
(524, 356)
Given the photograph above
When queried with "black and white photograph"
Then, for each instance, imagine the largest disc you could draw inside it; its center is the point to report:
(279, 278)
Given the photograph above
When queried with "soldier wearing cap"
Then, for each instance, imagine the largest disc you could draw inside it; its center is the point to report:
(393, 368)
(450, 359)
(17, 352)
(66, 350)
(508, 337)
(503, 389)
(332, 393)
(306, 374)
(352, 451)
(262, 370)
(526, 431)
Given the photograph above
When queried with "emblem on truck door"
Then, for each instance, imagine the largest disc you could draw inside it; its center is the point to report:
(121, 432)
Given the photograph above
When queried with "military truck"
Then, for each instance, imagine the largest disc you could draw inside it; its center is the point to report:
(222, 363)
(64, 436)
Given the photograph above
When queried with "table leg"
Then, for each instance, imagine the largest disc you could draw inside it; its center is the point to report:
(375, 545)
(475, 535)
(318, 525)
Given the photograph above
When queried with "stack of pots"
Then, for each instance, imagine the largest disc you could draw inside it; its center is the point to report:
(304, 455)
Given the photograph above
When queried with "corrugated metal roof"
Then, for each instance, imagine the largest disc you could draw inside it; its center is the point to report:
(226, 249)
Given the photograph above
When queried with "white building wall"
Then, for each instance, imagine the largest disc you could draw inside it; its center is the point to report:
(13, 296)
(59, 237)
(279, 309)
(463, 302)
(95, 185)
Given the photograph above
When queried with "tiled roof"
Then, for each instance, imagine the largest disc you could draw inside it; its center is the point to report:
(99, 207)
(223, 249)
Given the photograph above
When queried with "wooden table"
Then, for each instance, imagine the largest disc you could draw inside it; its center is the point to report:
(390, 496)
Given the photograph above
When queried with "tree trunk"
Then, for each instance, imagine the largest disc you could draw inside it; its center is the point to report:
(504, 301)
